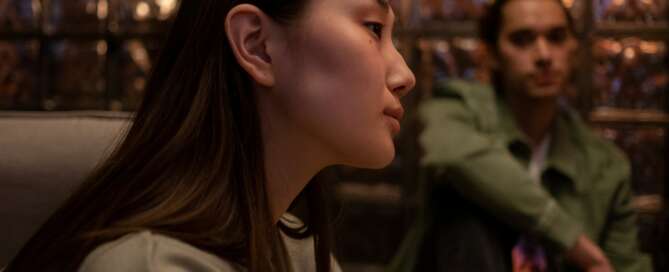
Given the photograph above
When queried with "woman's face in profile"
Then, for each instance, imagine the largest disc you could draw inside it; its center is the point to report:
(341, 79)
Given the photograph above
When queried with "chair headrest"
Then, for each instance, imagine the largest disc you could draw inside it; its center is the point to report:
(44, 156)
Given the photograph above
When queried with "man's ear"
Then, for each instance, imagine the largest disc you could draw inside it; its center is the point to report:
(247, 30)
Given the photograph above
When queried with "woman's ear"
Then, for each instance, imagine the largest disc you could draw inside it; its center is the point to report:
(247, 30)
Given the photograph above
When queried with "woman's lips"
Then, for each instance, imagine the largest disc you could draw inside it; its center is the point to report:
(395, 112)
(394, 124)
(394, 116)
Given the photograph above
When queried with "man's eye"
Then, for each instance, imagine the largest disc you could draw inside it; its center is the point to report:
(376, 28)
(557, 36)
(522, 38)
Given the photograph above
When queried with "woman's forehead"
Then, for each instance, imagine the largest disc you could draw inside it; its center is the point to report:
(381, 5)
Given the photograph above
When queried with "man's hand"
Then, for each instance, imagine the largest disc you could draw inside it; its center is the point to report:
(588, 256)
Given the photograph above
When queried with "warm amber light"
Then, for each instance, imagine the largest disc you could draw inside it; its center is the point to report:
(103, 9)
(142, 11)
(166, 8)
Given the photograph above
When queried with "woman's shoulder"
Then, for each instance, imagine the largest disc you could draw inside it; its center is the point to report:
(301, 252)
(146, 251)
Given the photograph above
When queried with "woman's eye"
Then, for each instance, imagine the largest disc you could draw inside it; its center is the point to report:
(376, 28)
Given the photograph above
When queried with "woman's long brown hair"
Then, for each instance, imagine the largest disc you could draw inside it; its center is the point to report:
(192, 164)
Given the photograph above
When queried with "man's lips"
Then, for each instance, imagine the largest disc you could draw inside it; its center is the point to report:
(545, 79)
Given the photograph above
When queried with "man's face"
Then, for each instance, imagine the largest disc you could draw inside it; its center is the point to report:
(534, 48)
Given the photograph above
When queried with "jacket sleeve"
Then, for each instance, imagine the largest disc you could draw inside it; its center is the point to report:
(620, 242)
(479, 166)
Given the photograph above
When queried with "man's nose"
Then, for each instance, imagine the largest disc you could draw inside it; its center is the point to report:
(543, 54)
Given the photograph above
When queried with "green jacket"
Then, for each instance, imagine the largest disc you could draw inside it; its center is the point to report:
(586, 190)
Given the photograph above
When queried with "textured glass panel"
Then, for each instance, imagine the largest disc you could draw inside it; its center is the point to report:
(18, 74)
(77, 75)
(142, 15)
(76, 16)
(448, 10)
(646, 150)
(19, 15)
(461, 58)
(630, 73)
(643, 11)
(137, 59)
(465, 10)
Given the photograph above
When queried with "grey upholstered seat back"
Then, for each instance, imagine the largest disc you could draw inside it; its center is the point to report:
(43, 156)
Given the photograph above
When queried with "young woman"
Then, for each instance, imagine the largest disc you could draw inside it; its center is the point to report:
(249, 100)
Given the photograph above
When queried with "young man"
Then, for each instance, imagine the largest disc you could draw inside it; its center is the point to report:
(516, 181)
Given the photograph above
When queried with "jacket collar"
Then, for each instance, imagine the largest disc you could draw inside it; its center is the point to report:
(565, 158)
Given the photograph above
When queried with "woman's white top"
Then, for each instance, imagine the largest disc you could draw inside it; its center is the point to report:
(151, 252)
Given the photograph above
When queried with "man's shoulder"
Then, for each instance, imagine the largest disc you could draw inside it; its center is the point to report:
(600, 152)
(460, 120)
(466, 90)
(462, 100)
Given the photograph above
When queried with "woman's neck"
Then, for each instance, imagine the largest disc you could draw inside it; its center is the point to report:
(292, 159)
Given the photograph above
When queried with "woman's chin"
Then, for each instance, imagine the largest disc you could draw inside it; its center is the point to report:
(374, 159)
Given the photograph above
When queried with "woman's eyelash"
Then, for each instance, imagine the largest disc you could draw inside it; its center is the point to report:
(376, 28)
